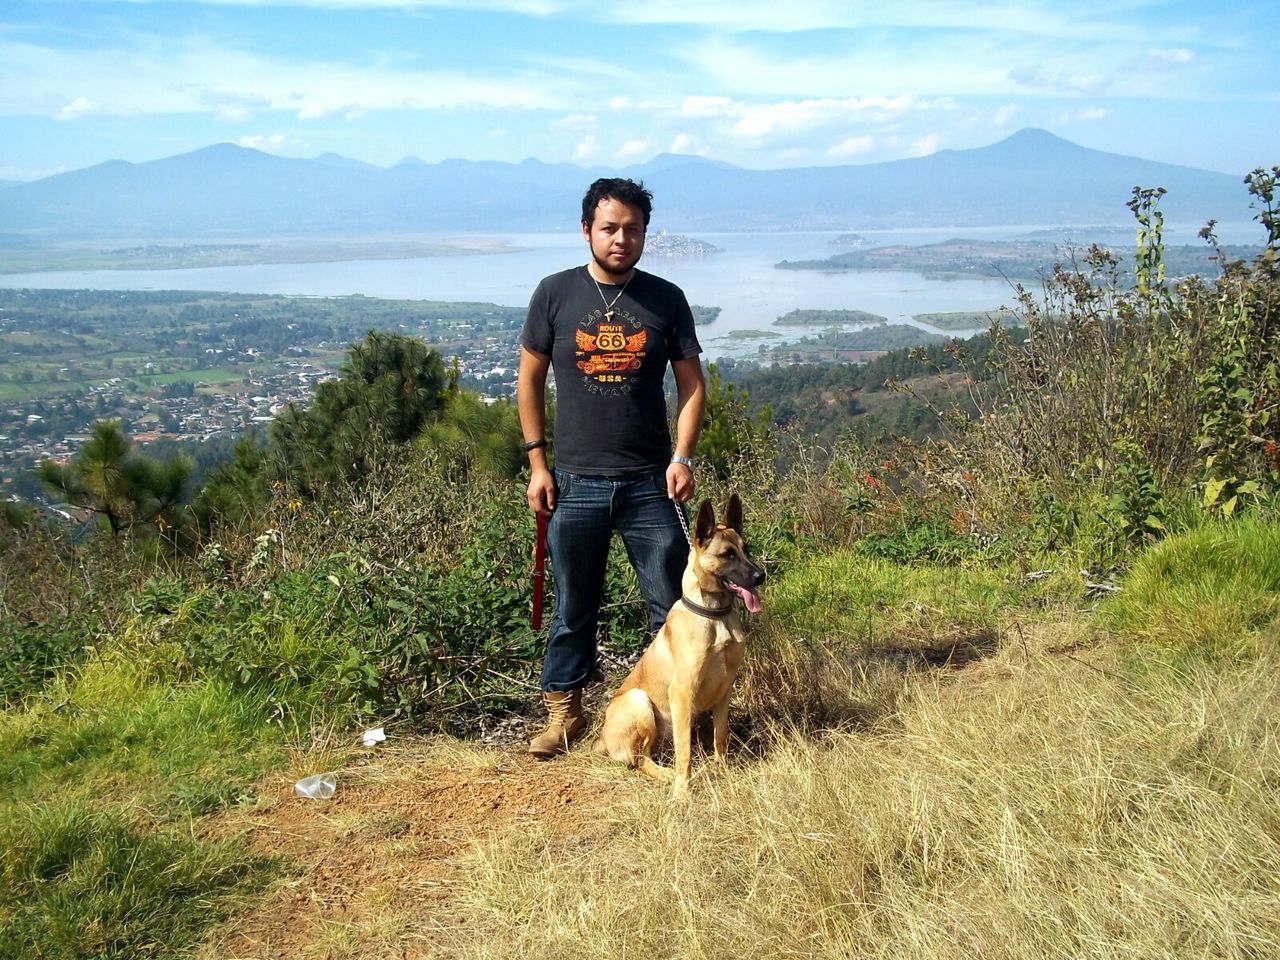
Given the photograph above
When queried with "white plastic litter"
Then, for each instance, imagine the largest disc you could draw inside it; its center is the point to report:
(319, 786)
(374, 736)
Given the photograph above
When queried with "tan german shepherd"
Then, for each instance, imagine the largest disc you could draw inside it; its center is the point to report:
(690, 666)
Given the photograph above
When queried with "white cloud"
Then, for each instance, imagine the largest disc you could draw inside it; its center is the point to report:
(923, 146)
(264, 141)
(1169, 58)
(685, 144)
(328, 108)
(778, 123)
(77, 108)
(232, 106)
(156, 75)
(634, 149)
(587, 149)
(695, 106)
(1090, 114)
(1037, 77)
(574, 122)
(1006, 114)
(852, 147)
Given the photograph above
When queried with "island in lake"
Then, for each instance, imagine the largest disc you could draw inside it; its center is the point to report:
(663, 244)
(970, 319)
(822, 318)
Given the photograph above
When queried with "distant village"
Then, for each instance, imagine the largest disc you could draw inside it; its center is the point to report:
(54, 428)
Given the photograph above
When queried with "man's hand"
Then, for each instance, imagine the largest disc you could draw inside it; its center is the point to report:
(679, 482)
(542, 491)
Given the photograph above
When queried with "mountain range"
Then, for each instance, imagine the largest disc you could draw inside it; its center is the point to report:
(226, 191)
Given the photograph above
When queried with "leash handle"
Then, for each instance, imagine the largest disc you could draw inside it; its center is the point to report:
(539, 569)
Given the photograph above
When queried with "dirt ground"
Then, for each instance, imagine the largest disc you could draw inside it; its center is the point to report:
(371, 872)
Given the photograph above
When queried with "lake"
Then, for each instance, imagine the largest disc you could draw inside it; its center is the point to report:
(741, 280)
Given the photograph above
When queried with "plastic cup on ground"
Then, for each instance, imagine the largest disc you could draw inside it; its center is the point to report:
(319, 786)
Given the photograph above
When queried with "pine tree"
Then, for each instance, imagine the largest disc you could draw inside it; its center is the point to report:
(127, 488)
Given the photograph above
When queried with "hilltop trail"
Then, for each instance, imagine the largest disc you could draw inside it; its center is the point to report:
(373, 871)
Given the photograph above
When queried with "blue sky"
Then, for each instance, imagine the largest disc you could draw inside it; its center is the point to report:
(757, 84)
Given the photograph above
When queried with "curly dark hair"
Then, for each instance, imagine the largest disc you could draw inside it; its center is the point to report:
(616, 188)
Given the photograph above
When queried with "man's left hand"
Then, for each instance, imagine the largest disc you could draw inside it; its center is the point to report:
(679, 482)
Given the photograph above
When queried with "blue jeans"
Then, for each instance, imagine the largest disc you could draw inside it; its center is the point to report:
(588, 510)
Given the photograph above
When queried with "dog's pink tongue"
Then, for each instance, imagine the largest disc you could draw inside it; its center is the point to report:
(749, 597)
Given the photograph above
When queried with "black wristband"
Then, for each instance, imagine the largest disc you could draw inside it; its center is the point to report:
(532, 445)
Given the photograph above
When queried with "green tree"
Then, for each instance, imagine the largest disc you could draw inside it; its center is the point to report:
(389, 387)
(477, 436)
(732, 433)
(239, 489)
(128, 489)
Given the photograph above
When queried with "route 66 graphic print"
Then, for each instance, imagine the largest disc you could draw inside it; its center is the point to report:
(610, 352)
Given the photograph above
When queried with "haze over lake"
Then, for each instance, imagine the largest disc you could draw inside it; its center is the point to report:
(742, 280)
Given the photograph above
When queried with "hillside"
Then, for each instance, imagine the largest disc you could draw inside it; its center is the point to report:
(1014, 690)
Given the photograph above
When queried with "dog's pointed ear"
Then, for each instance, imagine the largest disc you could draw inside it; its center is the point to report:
(733, 514)
(704, 527)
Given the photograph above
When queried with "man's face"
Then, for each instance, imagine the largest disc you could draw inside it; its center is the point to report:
(616, 236)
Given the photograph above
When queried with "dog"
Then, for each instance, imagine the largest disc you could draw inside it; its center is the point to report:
(690, 666)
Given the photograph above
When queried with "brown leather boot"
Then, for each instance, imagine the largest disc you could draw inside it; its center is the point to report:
(565, 723)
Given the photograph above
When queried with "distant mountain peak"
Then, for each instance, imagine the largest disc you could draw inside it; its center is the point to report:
(1033, 141)
(225, 148)
(1033, 135)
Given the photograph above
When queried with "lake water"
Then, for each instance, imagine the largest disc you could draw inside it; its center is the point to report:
(741, 280)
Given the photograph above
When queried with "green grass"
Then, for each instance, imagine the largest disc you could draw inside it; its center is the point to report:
(105, 778)
(211, 375)
(1214, 590)
(218, 374)
(182, 749)
(849, 598)
(16, 391)
(81, 880)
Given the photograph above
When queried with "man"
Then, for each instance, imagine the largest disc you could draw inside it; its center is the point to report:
(608, 331)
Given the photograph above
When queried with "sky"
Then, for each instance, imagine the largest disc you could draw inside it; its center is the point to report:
(762, 84)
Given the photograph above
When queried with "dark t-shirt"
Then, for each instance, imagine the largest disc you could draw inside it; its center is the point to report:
(611, 416)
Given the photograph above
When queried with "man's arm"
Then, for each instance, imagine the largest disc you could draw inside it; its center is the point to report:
(531, 402)
(691, 404)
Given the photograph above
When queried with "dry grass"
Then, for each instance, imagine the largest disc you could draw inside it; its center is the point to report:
(1037, 804)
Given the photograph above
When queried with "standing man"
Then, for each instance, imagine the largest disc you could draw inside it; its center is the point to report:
(608, 331)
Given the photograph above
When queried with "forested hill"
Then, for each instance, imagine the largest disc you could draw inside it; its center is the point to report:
(823, 401)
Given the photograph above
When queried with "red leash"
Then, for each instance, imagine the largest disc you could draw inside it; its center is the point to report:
(539, 569)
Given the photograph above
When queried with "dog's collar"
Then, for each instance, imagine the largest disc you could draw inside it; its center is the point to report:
(712, 613)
